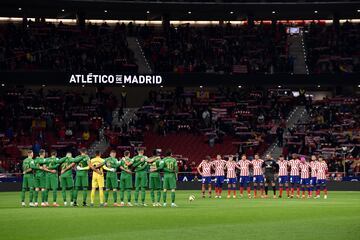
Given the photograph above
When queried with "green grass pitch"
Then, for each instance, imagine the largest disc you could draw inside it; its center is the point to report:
(337, 217)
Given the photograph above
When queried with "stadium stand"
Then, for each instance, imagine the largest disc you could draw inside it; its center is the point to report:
(56, 120)
(332, 131)
(219, 49)
(46, 46)
(213, 121)
(333, 48)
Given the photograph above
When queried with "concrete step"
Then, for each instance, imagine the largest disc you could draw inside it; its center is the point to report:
(141, 61)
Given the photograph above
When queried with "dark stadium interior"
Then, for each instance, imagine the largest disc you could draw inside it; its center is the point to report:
(230, 78)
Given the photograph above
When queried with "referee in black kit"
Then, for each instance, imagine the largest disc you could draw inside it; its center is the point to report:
(271, 167)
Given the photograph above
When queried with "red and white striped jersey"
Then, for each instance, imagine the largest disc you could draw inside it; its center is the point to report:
(321, 168)
(283, 167)
(219, 166)
(294, 164)
(205, 168)
(313, 168)
(257, 167)
(231, 167)
(244, 167)
(305, 172)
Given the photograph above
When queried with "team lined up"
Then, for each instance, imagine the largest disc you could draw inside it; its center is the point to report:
(310, 175)
(43, 174)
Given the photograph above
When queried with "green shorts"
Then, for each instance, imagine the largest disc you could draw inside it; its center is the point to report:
(155, 182)
(28, 181)
(81, 181)
(126, 182)
(66, 182)
(141, 179)
(40, 182)
(52, 181)
(169, 181)
(111, 182)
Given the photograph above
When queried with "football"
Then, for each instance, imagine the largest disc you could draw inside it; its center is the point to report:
(191, 198)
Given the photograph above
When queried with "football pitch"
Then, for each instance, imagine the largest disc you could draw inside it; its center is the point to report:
(337, 217)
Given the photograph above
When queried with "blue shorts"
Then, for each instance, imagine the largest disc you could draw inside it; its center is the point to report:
(283, 179)
(258, 179)
(206, 180)
(313, 181)
(244, 180)
(219, 180)
(294, 179)
(304, 181)
(232, 181)
(321, 181)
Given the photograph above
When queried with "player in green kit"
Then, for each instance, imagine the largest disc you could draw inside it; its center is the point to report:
(170, 175)
(40, 178)
(82, 177)
(154, 177)
(28, 178)
(111, 181)
(66, 178)
(52, 181)
(126, 182)
(141, 180)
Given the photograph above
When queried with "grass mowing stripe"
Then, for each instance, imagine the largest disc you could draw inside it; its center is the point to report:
(334, 218)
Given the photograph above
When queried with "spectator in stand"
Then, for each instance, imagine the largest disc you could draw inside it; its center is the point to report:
(86, 135)
(36, 148)
(68, 133)
(62, 134)
(280, 136)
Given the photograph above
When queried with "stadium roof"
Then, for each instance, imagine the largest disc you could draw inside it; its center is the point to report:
(181, 10)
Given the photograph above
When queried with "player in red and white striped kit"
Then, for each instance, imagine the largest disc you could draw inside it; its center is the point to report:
(321, 168)
(231, 167)
(244, 180)
(258, 175)
(294, 175)
(283, 176)
(219, 166)
(204, 169)
(305, 176)
(313, 164)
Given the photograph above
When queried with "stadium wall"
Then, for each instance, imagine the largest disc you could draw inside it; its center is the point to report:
(332, 186)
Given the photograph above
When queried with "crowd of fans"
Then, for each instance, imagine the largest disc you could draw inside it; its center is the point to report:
(225, 48)
(333, 48)
(50, 119)
(218, 49)
(247, 116)
(332, 131)
(46, 46)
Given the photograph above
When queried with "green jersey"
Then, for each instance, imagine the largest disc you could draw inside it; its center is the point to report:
(123, 165)
(64, 163)
(27, 164)
(52, 164)
(38, 162)
(81, 161)
(156, 165)
(111, 162)
(170, 165)
(140, 163)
